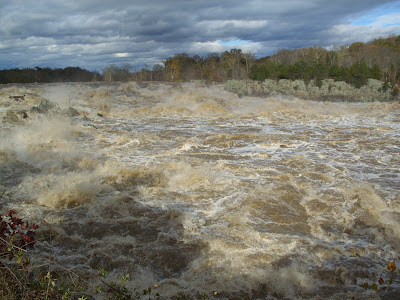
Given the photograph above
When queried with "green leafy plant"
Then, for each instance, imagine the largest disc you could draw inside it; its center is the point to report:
(66, 294)
(48, 281)
(120, 292)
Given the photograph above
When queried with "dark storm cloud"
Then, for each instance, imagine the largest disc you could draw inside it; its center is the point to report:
(93, 33)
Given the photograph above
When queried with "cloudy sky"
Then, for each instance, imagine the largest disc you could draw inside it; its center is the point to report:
(94, 33)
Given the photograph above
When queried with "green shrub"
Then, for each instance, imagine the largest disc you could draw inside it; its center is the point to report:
(385, 86)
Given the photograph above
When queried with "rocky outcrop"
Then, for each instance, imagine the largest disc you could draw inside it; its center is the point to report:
(44, 106)
(72, 112)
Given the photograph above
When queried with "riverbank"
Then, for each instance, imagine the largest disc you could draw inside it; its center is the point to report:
(324, 90)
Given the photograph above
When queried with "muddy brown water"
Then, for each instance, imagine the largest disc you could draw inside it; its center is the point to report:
(190, 188)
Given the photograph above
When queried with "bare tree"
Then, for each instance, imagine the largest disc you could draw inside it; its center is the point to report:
(249, 59)
(110, 72)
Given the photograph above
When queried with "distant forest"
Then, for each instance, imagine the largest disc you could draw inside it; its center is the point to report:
(42, 75)
(378, 59)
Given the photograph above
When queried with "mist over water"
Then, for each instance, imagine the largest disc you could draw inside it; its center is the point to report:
(194, 189)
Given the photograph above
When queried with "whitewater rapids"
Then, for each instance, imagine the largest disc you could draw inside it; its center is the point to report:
(188, 187)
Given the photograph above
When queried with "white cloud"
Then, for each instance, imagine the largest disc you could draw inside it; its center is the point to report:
(347, 34)
(123, 54)
(219, 46)
(242, 24)
(206, 47)
(387, 20)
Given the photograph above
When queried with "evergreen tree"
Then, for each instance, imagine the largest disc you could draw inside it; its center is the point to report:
(376, 72)
(358, 74)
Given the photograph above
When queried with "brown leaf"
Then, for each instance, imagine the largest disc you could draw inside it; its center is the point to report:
(391, 266)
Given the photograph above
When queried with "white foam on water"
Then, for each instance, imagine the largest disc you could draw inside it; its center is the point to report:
(194, 189)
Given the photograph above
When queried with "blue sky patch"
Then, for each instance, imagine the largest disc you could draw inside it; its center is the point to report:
(374, 14)
(233, 42)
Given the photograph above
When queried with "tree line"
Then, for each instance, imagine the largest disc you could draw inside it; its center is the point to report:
(233, 64)
(378, 59)
(44, 75)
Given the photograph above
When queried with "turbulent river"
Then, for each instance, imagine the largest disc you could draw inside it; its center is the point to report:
(190, 188)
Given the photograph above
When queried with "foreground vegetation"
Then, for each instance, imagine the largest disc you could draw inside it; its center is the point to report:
(354, 64)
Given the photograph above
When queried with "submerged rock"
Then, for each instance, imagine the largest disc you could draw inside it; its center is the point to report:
(11, 117)
(44, 106)
(18, 98)
(72, 112)
(14, 116)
